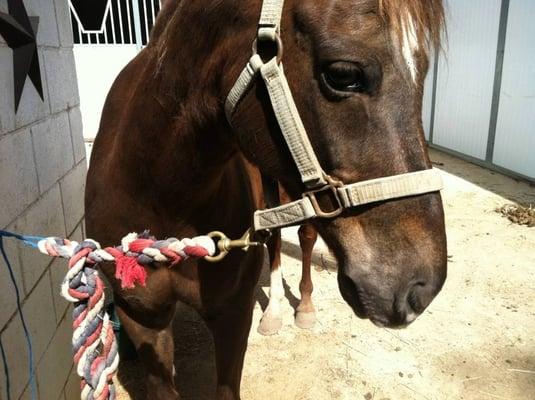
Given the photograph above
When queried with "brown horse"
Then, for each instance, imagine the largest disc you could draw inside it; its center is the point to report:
(166, 159)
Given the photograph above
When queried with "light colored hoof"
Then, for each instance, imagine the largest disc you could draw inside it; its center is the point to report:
(305, 320)
(269, 325)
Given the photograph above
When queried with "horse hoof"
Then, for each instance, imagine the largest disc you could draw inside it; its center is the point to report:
(305, 320)
(269, 325)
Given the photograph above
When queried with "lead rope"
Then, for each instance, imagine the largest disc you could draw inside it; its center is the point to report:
(95, 350)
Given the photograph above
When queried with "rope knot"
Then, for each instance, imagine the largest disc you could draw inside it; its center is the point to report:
(127, 269)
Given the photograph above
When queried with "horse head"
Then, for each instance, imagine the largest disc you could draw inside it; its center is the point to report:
(356, 70)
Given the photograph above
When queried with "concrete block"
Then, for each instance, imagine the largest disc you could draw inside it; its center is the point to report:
(78, 233)
(58, 269)
(77, 133)
(16, 350)
(53, 149)
(47, 33)
(31, 107)
(18, 178)
(44, 218)
(27, 394)
(72, 193)
(38, 311)
(72, 388)
(53, 369)
(61, 78)
(8, 303)
(7, 102)
(63, 16)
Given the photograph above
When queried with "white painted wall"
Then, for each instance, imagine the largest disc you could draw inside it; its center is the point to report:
(97, 67)
(466, 76)
(514, 146)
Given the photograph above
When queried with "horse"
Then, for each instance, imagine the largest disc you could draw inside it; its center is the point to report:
(305, 313)
(339, 126)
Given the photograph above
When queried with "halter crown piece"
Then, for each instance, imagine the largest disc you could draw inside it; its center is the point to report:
(313, 177)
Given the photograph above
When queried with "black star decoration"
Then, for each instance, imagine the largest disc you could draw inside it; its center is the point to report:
(19, 32)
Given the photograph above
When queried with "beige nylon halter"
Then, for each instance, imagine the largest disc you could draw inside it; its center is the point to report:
(293, 130)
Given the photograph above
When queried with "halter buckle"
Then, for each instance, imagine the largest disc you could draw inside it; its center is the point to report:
(332, 189)
(278, 43)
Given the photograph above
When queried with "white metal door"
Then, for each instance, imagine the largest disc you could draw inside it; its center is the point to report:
(514, 146)
(466, 77)
(101, 55)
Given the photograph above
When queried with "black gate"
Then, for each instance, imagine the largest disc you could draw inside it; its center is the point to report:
(123, 22)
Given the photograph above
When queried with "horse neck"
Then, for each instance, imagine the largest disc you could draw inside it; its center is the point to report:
(177, 124)
(187, 164)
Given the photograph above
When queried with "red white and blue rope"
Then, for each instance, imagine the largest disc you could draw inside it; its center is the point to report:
(94, 345)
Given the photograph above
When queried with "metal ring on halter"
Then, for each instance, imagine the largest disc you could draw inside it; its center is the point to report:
(278, 42)
(332, 185)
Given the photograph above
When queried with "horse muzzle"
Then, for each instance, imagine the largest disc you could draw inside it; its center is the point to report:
(396, 310)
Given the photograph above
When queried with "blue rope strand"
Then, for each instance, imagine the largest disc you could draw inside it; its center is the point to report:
(30, 241)
(26, 239)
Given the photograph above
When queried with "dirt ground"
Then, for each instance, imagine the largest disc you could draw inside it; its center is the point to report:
(475, 341)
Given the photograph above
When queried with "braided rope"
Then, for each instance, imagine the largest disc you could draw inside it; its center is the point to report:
(94, 345)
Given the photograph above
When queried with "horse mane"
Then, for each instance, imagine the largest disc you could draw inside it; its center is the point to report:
(414, 24)
(164, 17)
(423, 20)
(164, 32)
(420, 20)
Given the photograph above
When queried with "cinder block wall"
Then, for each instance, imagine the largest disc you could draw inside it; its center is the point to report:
(42, 176)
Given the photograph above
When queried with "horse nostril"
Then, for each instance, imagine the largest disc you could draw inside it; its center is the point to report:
(419, 297)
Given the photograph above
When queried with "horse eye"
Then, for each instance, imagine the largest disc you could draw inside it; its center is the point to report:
(344, 77)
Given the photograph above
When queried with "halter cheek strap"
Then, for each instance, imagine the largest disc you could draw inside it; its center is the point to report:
(317, 182)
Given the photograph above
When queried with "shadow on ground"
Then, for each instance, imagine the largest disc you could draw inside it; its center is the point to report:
(194, 353)
(514, 189)
(194, 361)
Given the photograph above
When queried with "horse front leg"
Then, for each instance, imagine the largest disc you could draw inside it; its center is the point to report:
(155, 348)
(271, 321)
(305, 316)
(230, 330)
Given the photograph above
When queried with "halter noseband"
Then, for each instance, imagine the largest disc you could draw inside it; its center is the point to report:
(312, 175)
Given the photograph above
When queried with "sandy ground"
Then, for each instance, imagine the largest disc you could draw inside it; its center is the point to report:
(475, 341)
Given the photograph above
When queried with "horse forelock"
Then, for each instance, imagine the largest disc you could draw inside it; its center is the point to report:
(415, 25)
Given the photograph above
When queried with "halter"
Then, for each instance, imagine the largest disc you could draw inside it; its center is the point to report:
(317, 182)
